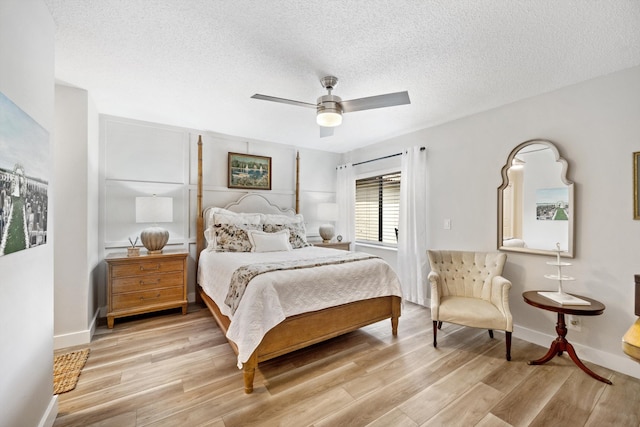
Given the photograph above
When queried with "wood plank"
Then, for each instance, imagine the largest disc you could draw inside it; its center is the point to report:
(491, 420)
(395, 418)
(573, 402)
(469, 409)
(618, 404)
(521, 406)
(434, 398)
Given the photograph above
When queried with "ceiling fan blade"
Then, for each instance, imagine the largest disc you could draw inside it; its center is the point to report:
(325, 131)
(283, 100)
(378, 101)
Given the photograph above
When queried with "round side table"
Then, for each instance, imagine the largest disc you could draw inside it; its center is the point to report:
(560, 344)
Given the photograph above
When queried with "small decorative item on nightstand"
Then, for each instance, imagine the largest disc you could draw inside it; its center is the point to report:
(133, 251)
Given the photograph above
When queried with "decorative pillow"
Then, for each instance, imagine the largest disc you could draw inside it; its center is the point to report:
(233, 237)
(269, 242)
(297, 233)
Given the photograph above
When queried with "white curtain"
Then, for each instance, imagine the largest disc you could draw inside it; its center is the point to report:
(346, 199)
(412, 226)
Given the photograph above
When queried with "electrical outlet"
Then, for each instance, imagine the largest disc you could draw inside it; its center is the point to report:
(447, 224)
(574, 322)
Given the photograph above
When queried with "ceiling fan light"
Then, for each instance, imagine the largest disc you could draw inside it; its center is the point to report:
(329, 118)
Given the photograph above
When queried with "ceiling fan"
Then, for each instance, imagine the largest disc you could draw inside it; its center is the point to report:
(329, 108)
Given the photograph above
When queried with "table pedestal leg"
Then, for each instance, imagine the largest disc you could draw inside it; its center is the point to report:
(559, 345)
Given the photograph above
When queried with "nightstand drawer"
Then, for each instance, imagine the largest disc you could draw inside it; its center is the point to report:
(145, 298)
(144, 268)
(142, 283)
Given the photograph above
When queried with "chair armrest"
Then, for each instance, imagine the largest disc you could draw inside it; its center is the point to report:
(500, 288)
(434, 280)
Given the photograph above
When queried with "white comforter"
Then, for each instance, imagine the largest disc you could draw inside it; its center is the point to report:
(273, 296)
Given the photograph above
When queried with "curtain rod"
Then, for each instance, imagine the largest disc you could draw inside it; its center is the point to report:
(383, 157)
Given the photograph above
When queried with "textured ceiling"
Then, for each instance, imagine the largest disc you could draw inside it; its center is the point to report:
(195, 63)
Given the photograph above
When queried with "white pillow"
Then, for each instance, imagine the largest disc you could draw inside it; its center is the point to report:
(514, 243)
(222, 216)
(208, 221)
(211, 213)
(282, 219)
(269, 242)
(236, 219)
(210, 237)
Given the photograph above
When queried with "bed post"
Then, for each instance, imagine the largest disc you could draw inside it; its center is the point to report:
(249, 372)
(297, 182)
(396, 303)
(199, 218)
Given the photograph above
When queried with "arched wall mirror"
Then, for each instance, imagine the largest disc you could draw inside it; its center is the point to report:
(536, 207)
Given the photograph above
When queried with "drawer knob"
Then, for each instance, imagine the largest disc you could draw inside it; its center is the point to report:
(155, 282)
(157, 267)
(157, 296)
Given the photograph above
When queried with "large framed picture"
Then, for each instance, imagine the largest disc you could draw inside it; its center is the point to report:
(24, 179)
(249, 172)
(636, 186)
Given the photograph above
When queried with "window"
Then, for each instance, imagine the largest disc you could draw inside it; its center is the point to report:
(377, 209)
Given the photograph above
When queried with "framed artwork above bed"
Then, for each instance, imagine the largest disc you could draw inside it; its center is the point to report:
(247, 171)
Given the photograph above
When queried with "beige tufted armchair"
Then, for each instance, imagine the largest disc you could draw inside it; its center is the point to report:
(467, 289)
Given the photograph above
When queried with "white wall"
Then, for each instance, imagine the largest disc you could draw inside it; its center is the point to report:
(76, 253)
(26, 277)
(140, 158)
(596, 128)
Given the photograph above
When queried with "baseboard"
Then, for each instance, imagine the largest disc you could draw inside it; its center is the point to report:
(49, 417)
(76, 338)
(618, 363)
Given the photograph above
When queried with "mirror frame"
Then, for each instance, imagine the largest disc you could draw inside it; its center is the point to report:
(563, 176)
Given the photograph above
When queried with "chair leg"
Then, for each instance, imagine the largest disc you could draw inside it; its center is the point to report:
(490, 333)
(507, 335)
(435, 333)
(440, 325)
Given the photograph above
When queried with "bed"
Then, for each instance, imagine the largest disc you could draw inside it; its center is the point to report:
(279, 300)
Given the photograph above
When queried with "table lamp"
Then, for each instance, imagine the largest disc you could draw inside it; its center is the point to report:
(327, 212)
(153, 210)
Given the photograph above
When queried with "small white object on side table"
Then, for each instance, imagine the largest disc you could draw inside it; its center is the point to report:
(560, 296)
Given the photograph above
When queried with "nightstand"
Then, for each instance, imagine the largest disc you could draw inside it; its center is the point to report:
(145, 283)
(334, 245)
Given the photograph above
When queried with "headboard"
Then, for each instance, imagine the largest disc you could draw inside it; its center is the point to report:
(256, 203)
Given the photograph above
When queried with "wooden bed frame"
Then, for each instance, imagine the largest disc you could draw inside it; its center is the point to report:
(304, 329)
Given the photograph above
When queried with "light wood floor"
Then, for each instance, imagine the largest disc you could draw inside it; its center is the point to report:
(174, 370)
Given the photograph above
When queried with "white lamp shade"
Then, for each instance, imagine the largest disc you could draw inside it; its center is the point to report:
(154, 209)
(328, 211)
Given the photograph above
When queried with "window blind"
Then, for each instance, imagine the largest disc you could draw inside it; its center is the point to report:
(378, 208)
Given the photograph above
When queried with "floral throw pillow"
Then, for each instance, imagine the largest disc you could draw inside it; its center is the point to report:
(234, 237)
(297, 233)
